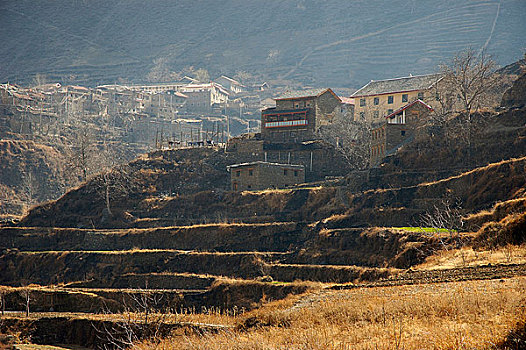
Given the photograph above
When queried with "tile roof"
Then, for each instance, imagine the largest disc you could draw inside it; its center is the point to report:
(302, 94)
(180, 94)
(274, 110)
(259, 162)
(417, 82)
(233, 81)
(409, 105)
(21, 96)
(347, 100)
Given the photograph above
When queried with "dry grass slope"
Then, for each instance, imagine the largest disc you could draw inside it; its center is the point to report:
(464, 315)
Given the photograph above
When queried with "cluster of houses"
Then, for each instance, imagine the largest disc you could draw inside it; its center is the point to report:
(186, 112)
(187, 96)
(289, 125)
(392, 108)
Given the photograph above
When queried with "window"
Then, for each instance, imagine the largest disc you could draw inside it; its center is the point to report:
(362, 115)
(285, 172)
(420, 95)
(250, 172)
(238, 173)
(404, 97)
(376, 101)
(376, 114)
(402, 132)
(390, 99)
(295, 173)
(389, 111)
(296, 105)
(362, 102)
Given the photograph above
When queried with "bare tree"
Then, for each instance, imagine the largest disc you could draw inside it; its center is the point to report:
(25, 293)
(244, 77)
(443, 221)
(140, 320)
(202, 75)
(160, 71)
(30, 188)
(116, 179)
(352, 138)
(469, 79)
(466, 84)
(81, 153)
(3, 292)
(39, 79)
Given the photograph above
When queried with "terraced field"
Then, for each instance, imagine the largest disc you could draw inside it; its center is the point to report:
(334, 43)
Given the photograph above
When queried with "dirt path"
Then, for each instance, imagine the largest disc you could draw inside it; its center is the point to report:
(409, 277)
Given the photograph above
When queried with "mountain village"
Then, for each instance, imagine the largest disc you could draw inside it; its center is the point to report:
(285, 133)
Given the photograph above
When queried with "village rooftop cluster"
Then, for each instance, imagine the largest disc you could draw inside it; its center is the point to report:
(189, 113)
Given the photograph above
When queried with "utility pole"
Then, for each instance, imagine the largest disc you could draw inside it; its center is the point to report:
(227, 127)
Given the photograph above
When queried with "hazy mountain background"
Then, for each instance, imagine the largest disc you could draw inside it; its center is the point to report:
(323, 43)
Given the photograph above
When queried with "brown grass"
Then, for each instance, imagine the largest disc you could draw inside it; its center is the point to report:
(467, 256)
(462, 315)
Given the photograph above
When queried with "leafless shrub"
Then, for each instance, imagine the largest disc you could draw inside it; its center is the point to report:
(443, 223)
(138, 321)
(352, 138)
(468, 80)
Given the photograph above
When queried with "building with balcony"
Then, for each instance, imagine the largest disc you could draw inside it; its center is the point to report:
(298, 115)
(397, 129)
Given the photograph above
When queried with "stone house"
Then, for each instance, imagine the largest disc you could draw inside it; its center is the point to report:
(246, 144)
(155, 88)
(230, 84)
(201, 98)
(377, 99)
(261, 175)
(397, 130)
(165, 103)
(298, 115)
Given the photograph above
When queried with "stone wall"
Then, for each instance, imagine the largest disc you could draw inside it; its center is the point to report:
(326, 160)
(198, 102)
(321, 112)
(249, 146)
(259, 176)
(325, 106)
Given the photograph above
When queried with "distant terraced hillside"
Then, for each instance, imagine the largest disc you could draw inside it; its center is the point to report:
(335, 43)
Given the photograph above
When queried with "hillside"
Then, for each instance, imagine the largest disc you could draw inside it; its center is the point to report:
(30, 173)
(330, 43)
(190, 186)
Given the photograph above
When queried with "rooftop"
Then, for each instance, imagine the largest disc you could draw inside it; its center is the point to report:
(409, 105)
(259, 162)
(347, 100)
(233, 81)
(274, 110)
(411, 83)
(289, 95)
(204, 86)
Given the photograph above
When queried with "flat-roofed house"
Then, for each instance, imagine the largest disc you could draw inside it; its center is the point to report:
(397, 129)
(380, 98)
(298, 115)
(262, 175)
